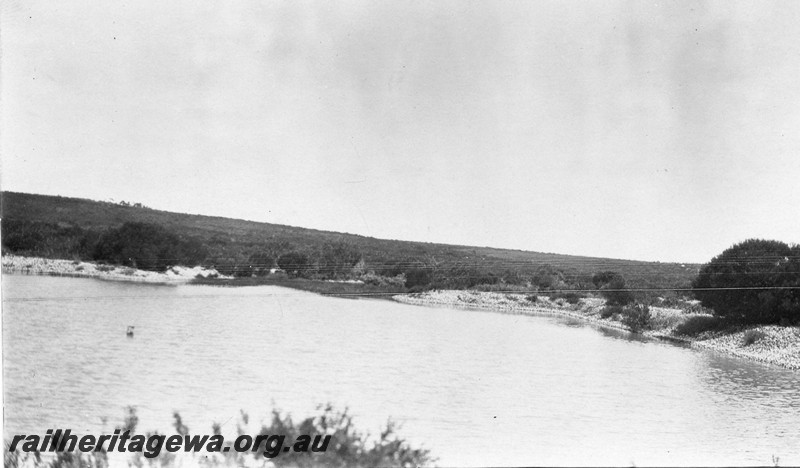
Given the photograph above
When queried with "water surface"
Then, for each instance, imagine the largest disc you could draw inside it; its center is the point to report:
(476, 388)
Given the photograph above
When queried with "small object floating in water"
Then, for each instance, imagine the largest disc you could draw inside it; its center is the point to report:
(129, 332)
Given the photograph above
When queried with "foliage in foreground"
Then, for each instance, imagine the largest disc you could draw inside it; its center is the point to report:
(348, 446)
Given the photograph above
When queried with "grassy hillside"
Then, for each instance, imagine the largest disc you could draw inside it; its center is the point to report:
(60, 227)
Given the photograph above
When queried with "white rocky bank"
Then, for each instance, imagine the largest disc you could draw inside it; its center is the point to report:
(778, 346)
(16, 264)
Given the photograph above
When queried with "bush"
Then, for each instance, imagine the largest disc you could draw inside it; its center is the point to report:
(532, 298)
(756, 281)
(55, 240)
(501, 287)
(549, 277)
(260, 263)
(616, 292)
(235, 267)
(147, 247)
(751, 336)
(666, 319)
(570, 297)
(609, 311)
(417, 277)
(374, 279)
(295, 264)
(697, 309)
(348, 446)
(344, 446)
(338, 258)
(671, 299)
(698, 324)
(602, 278)
(636, 317)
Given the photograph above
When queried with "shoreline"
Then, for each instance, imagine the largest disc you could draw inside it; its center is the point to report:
(780, 346)
(178, 275)
(38, 266)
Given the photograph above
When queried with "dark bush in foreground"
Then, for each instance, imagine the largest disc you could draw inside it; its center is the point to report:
(347, 447)
(698, 324)
(756, 281)
(636, 317)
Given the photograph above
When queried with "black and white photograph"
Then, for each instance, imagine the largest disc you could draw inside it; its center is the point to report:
(405, 233)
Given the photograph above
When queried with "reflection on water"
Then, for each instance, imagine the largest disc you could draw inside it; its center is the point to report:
(475, 387)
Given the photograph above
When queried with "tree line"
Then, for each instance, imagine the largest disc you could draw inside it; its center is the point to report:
(756, 281)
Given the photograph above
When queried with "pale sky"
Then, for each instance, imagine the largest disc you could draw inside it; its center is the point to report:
(629, 129)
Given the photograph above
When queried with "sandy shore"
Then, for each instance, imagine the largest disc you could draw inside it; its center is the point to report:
(15, 264)
(779, 346)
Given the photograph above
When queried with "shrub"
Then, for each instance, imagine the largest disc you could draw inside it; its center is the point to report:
(697, 309)
(671, 299)
(756, 281)
(417, 277)
(602, 278)
(295, 264)
(374, 279)
(616, 292)
(349, 447)
(532, 298)
(666, 318)
(58, 240)
(570, 297)
(609, 311)
(698, 324)
(344, 446)
(338, 258)
(500, 287)
(148, 247)
(548, 277)
(636, 317)
(260, 263)
(233, 267)
(751, 336)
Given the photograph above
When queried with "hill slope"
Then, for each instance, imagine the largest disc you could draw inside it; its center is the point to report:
(58, 227)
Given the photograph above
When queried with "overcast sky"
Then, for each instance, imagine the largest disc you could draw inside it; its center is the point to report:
(646, 130)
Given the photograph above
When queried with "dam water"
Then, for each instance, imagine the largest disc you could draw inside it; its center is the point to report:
(475, 388)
